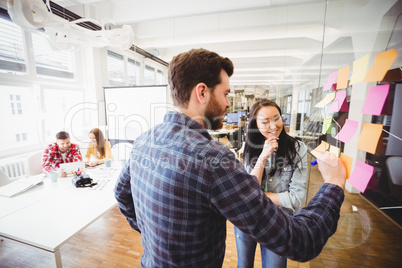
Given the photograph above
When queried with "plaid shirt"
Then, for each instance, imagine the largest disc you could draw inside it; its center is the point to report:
(52, 157)
(180, 186)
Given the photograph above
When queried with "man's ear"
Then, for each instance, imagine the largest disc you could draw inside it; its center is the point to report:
(201, 90)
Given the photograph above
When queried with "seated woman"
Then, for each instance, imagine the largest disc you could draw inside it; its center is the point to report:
(98, 148)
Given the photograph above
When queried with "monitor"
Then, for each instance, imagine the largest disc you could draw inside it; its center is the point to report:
(286, 119)
(232, 118)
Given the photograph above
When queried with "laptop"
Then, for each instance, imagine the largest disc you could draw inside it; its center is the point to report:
(72, 167)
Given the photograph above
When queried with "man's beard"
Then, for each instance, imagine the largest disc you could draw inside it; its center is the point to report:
(213, 114)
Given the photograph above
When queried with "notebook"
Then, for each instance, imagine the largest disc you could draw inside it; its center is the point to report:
(19, 186)
(72, 167)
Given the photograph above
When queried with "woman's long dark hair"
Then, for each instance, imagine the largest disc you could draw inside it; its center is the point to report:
(255, 140)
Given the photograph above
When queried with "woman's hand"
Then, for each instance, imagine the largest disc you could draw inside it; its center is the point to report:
(93, 163)
(270, 145)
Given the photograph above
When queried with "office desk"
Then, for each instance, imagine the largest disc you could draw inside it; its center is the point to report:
(49, 215)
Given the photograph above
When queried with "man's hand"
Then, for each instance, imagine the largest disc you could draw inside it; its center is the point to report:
(332, 169)
(61, 174)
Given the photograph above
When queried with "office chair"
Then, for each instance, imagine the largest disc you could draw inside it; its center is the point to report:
(4, 179)
(394, 169)
(34, 163)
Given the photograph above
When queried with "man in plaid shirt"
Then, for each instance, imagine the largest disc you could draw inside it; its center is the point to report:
(62, 151)
(180, 186)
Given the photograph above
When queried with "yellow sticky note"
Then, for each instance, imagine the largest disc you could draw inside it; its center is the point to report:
(327, 125)
(347, 161)
(324, 146)
(327, 99)
(335, 150)
(343, 75)
(382, 62)
(359, 70)
(368, 138)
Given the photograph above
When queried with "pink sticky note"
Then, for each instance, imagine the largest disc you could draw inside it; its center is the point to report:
(375, 100)
(347, 131)
(339, 103)
(361, 176)
(331, 79)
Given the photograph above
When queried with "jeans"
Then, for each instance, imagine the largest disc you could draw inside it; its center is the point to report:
(246, 252)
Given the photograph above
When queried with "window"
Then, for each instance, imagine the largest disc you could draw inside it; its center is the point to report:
(115, 67)
(12, 53)
(60, 113)
(20, 137)
(21, 121)
(149, 75)
(133, 72)
(49, 61)
(160, 78)
(16, 106)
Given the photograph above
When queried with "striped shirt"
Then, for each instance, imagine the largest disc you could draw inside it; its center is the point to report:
(180, 186)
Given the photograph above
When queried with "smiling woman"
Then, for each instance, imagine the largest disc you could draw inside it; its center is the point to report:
(283, 177)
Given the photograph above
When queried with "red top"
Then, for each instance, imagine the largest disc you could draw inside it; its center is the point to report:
(52, 157)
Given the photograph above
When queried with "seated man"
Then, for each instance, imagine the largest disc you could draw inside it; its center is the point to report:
(62, 151)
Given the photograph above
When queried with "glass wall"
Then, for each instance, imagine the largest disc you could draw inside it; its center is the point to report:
(355, 37)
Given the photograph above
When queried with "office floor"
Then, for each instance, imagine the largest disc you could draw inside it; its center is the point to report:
(365, 238)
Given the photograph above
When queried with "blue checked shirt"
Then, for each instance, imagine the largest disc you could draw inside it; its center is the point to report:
(180, 186)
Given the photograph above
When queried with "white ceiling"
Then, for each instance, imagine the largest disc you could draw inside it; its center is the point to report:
(274, 44)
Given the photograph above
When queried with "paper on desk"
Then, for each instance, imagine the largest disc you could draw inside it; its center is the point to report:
(343, 76)
(347, 161)
(347, 131)
(359, 69)
(369, 136)
(361, 176)
(19, 186)
(375, 100)
(340, 103)
(382, 62)
(327, 99)
(330, 81)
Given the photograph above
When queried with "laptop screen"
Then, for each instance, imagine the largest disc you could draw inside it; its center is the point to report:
(69, 168)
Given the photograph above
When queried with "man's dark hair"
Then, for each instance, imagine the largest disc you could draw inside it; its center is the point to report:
(188, 69)
(62, 135)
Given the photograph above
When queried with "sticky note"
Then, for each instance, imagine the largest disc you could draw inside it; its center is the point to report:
(347, 131)
(382, 62)
(340, 103)
(335, 150)
(368, 138)
(330, 81)
(361, 176)
(375, 100)
(327, 99)
(327, 125)
(343, 75)
(359, 70)
(324, 146)
(347, 161)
